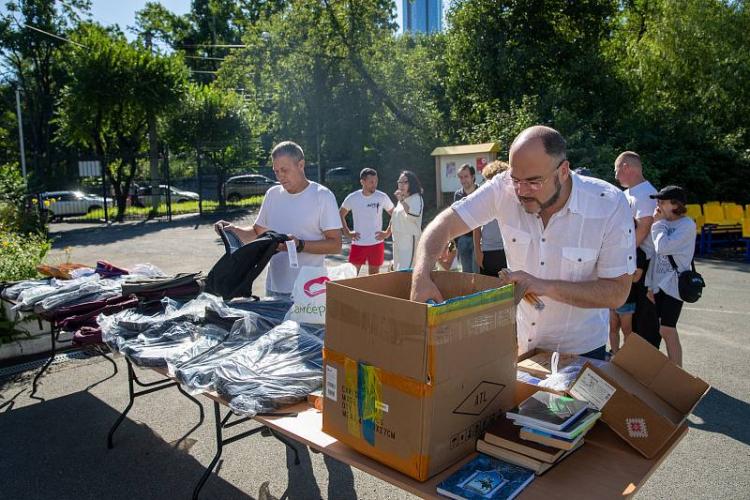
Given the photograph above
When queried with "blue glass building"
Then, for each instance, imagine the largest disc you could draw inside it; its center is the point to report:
(425, 16)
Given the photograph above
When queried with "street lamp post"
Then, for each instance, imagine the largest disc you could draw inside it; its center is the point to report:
(20, 133)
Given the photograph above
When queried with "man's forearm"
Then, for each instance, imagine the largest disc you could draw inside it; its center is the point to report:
(327, 246)
(602, 293)
(439, 232)
(642, 229)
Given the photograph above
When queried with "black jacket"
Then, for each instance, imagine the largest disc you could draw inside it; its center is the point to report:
(234, 273)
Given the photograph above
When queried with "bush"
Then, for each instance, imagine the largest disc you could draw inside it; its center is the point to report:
(20, 254)
(16, 213)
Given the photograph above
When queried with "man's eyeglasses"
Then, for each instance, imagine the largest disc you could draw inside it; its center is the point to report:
(536, 184)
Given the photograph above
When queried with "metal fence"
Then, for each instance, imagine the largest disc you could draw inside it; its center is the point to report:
(183, 185)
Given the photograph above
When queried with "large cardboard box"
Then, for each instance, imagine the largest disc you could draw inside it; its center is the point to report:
(644, 397)
(413, 385)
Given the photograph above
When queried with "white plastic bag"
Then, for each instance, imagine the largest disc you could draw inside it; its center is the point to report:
(309, 292)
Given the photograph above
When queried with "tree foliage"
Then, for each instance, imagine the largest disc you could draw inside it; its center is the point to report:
(113, 87)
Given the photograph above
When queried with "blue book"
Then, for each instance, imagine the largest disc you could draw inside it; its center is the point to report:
(486, 477)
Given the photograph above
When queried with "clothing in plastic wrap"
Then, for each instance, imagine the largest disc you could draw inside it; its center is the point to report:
(29, 297)
(153, 350)
(11, 292)
(277, 369)
(128, 324)
(87, 292)
(198, 374)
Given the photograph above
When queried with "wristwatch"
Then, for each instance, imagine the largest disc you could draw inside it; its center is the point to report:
(300, 245)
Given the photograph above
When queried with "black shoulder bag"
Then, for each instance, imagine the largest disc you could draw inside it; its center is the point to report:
(690, 284)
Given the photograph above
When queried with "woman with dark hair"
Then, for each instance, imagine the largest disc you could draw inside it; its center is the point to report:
(406, 220)
(674, 240)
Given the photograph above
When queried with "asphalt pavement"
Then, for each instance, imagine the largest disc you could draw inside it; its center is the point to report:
(56, 447)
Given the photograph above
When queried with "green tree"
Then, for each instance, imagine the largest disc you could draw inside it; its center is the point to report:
(34, 61)
(217, 125)
(113, 86)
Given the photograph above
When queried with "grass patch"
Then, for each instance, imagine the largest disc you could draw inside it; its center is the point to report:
(187, 207)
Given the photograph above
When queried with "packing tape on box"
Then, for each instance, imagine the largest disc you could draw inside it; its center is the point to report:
(475, 303)
(407, 385)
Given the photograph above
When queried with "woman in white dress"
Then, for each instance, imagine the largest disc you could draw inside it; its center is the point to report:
(406, 220)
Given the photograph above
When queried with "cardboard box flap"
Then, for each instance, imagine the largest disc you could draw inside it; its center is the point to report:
(396, 285)
(652, 368)
(373, 328)
(634, 387)
(469, 283)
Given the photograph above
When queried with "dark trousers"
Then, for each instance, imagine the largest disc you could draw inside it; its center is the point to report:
(492, 262)
(599, 353)
(645, 319)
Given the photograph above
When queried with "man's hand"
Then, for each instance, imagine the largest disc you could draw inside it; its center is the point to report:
(245, 235)
(524, 282)
(382, 235)
(221, 224)
(354, 235)
(650, 295)
(424, 289)
(282, 245)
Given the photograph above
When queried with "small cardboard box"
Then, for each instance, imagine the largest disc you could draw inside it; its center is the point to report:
(643, 397)
(413, 385)
(538, 362)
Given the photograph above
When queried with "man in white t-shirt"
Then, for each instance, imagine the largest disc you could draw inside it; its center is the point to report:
(569, 239)
(638, 315)
(304, 210)
(366, 206)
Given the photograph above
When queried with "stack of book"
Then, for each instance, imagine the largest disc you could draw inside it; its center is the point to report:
(540, 432)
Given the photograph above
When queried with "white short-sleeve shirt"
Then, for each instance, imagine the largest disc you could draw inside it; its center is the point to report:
(367, 212)
(643, 206)
(592, 236)
(304, 215)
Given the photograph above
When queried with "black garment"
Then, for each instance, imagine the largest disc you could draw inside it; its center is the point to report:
(492, 262)
(645, 318)
(668, 308)
(234, 273)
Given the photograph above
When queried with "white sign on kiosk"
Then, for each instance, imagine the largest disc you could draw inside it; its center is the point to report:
(448, 159)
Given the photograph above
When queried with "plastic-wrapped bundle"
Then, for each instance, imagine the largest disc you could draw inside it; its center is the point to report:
(95, 290)
(12, 292)
(29, 297)
(150, 351)
(279, 368)
(128, 324)
(224, 315)
(198, 373)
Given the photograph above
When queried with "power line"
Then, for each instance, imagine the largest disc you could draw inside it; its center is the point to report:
(208, 45)
(54, 36)
(206, 58)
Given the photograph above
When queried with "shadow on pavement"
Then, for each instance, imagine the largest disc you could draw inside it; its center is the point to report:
(723, 414)
(93, 234)
(57, 449)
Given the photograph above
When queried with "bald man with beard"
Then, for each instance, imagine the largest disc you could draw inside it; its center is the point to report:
(569, 239)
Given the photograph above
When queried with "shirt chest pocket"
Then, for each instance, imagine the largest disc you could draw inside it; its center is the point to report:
(516, 243)
(578, 263)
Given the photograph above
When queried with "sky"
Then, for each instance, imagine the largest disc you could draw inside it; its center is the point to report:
(122, 12)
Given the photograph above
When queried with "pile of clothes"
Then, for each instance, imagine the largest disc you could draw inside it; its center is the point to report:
(243, 351)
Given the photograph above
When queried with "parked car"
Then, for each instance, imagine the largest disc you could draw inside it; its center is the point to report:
(339, 175)
(176, 195)
(243, 186)
(66, 203)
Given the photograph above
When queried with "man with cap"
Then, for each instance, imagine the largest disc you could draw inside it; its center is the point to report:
(673, 234)
(637, 313)
(569, 239)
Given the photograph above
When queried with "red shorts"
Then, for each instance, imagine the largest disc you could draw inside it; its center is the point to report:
(373, 255)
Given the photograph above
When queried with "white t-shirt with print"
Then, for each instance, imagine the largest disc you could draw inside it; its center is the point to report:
(304, 215)
(643, 206)
(367, 212)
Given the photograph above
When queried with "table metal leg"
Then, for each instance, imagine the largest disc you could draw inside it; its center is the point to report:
(53, 352)
(132, 394)
(218, 422)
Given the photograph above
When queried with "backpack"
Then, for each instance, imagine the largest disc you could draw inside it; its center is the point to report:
(690, 284)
